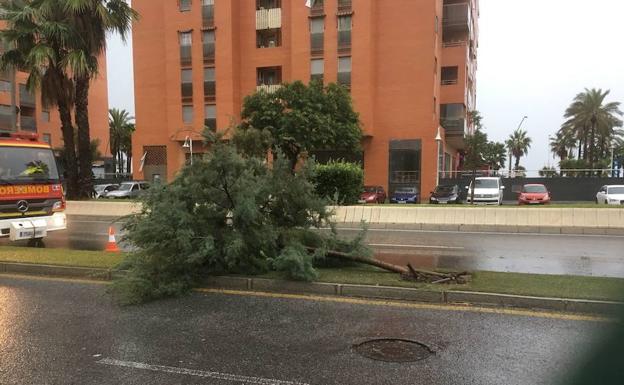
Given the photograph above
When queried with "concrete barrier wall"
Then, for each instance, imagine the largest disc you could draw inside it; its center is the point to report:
(607, 218)
(492, 217)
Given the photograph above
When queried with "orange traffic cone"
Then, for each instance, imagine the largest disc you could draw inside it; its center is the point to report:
(111, 246)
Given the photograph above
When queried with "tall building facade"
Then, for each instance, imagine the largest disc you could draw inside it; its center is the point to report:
(409, 65)
(32, 116)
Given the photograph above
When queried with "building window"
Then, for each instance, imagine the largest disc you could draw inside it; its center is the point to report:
(268, 38)
(187, 114)
(268, 4)
(187, 85)
(5, 86)
(185, 5)
(26, 98)
(344, 5)
(317, 69)
(344, 71)
(209, 84)
(210, 116)
(449, 75)
(45, 115)
(209, 46)
(208, 13)
(186, 42)
(5, 117)
(344, 34)
(317, 35)
(317, 7)
(47, 138)
(269, 78)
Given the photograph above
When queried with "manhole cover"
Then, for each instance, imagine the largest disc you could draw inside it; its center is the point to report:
(393, 350)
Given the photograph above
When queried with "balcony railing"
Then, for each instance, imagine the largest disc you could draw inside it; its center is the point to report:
(269, 18)
(454, 126)
(26, 98)
(448, 82)
(210, 91)
(270, 88)
(186, 59)
(456, 17)
(28, 123)
(317, 9)
(209, 52)
(211, 123)
(344, 41)
(457, 43)
(344, 79)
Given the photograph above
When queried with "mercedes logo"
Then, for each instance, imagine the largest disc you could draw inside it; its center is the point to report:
(22, 206)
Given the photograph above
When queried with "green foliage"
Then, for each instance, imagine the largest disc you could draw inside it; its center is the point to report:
(340, 181)
(226, 213)
(518, 145)
(476, 145)
(548, 172)
(495, 155)
(300, 118)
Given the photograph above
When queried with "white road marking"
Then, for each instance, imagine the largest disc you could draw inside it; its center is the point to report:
(416, 246)
(197, 373)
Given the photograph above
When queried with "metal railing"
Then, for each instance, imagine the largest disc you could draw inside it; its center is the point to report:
(559, 173)
(345, 6)
(270, 88)
(209, 52)
(405, 177)
(317, 44)
(28, 123)
(448, 82)
(453, 125)
(208, 16)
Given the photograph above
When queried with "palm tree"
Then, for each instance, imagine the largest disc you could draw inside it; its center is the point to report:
(90, 20)
(120, 136)
(518, 145)
(563, 144)
(592, 122)
(37, 41)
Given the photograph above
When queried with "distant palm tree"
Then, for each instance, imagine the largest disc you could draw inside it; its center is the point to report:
(563, 144)
(518, 145)
(592, 123)
(120, 137)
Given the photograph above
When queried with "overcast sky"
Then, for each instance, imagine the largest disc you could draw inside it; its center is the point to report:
(534, 57)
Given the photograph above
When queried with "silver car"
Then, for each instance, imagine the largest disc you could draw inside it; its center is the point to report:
(129, 190)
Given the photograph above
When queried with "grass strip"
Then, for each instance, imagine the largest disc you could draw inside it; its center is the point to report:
(539, 285)
(61, 257)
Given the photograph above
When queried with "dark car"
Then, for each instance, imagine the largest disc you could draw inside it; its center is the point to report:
(373, 194)
(445, 194)
(405, 195)
(532, 194)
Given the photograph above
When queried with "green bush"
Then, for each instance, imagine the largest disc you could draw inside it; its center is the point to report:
(341, 182)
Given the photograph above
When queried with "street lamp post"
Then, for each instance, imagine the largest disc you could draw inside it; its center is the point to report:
(438, 139)
(519, 125)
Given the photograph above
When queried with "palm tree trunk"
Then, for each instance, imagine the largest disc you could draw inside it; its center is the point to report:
(517, 164)
(71, 165)
(85, 170)
(592, 144)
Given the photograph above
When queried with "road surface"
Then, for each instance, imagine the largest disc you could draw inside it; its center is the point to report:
(63, 332)
(525, 253)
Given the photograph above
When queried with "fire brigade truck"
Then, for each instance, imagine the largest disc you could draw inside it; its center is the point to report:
(31, 194)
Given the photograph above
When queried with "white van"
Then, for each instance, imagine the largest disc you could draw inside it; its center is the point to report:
(488, 190)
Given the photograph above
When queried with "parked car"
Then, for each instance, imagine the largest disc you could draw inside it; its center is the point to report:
(488, 190)
(445, 194)
(102, 189)
(373, 194)
(129, 190)
(532, 194)
(611, 195)
(405, 195)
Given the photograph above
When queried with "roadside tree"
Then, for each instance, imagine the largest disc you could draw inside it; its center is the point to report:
(297, 119)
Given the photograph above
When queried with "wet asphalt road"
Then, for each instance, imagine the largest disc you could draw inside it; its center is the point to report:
(526, 253)
(58, 332)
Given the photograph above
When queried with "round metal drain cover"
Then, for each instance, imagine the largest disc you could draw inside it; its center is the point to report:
(393, 350)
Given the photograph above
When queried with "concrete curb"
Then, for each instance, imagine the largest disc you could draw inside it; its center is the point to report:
(348, 290)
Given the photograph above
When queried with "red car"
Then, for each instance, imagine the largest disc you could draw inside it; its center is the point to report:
(534, 194)
(373, 194)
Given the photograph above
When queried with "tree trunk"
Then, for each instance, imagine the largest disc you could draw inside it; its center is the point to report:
(517, 164)
(85, 166)
(128, 163)
(592, 144)
(364, 260)
(71, 165)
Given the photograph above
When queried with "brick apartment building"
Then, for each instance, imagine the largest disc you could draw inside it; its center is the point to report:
(33, 117)
(409, 64)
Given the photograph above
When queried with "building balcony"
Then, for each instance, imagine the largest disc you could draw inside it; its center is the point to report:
(457, 17)
(268, 18)
(269, 88)
(453, 126)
